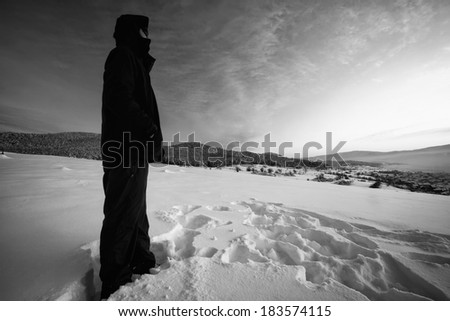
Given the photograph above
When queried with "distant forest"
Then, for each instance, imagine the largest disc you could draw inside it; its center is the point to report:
(87, 145)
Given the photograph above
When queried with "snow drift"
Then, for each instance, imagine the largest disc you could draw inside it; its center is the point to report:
(222, 235)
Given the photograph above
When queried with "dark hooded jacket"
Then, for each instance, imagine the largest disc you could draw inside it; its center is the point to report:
(131, 128)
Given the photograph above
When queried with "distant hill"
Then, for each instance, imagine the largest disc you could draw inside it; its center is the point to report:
(69, 144)
(197, 154)
(87, 145)
(436, 158)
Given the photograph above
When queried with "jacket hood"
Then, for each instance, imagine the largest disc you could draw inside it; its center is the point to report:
(127, 27)
(126, 33)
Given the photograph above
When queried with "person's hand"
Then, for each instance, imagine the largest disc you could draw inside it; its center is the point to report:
(152, 131)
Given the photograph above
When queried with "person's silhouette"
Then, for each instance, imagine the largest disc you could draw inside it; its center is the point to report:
(131, 137)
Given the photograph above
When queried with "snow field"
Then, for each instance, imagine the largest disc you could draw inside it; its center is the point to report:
(222, 235)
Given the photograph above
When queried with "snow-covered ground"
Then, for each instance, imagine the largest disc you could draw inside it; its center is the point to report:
(223, 235)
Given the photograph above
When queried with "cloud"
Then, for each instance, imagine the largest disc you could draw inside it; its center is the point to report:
(224, 69)
(236, 67)
(408, 137)
(25, 120)
(426, 132)
(243, 63)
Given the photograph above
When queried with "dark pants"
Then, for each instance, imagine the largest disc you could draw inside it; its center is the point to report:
(124, 240)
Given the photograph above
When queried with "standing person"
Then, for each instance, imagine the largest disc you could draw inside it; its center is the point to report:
(131, 138)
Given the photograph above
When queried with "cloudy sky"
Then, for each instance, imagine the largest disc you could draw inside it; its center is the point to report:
(375, 73)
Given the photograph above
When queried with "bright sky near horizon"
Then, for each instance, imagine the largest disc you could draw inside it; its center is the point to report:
(373, 72)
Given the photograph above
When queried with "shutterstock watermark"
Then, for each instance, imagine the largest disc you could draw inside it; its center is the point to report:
(191, 152)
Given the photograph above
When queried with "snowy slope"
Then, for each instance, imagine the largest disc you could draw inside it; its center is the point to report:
(223, 235)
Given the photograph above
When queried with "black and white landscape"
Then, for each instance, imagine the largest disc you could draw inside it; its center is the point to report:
(248, 225)
(225, 234)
